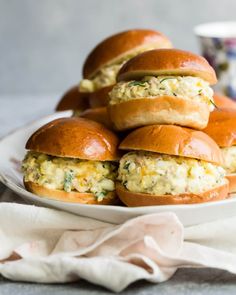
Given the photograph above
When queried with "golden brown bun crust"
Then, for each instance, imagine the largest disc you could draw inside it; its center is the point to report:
(222, 127)
(232, 182)
(131, 199)
(119, 45)
(167, 62)
(222, 101)
(73, 100)
(173, 140)
(161, 110)
(72, 197)
(99, 115)
(100, 98)
(223, 114)
(75, 138)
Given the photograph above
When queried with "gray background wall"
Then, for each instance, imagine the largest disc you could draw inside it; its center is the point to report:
(43, 42)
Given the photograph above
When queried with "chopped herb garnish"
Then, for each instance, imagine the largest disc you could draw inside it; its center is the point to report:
(212, 102)
(200, 91)
(69, 175)
(174, 94)
(100, 195)
(162, 88)
(126, 166)
(137, 83)
(166, 79)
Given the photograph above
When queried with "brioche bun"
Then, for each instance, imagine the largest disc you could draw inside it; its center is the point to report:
(73, 100)
(159, 62)
(72, 197)
(120, 45)
(232, 182)
(132, 199)
(222, 101)
(161, 110)
(75, 138)
(98, 115)
(224, 114)
(173, 140)
(100, 98)
(176, 141)
(222, 127)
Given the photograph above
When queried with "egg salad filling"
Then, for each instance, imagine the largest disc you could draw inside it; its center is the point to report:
(106, 76)
(229, 155)
(187, 87)
(158, 174)
(70, 174)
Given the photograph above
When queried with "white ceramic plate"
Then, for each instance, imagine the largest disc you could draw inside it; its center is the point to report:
(12, 152)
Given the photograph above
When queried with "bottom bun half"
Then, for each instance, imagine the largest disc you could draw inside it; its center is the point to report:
(132, 199)
(232, 182)
(161, 110)
(71, 197)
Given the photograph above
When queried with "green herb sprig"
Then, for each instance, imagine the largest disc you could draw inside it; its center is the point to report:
(169, 78)
(212, 102)
(100, 195)
(69, 175)
(126, 166)
(137, 83)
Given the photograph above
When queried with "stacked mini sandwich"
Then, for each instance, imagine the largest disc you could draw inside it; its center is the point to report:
(166, 164)
(162, 100)
(101, 67)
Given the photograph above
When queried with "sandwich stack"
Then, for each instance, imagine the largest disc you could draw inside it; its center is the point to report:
(156, 101)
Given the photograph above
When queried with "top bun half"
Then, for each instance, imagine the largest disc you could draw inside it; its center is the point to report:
(173, 140)
(222, 127)
(73, 100)
(159, 62)
(119, 45)
(75, 138)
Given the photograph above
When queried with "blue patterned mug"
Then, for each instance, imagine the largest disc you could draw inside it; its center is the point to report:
(218, 44)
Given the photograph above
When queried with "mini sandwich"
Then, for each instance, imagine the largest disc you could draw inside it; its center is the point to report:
(222, 128)
(73, 100)
(104, 62)
(170, 165)
(106, 59)
(165, 86)
(222, 101)
(72, 160)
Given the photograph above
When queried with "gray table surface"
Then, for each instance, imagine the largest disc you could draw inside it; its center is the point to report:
(16, 111)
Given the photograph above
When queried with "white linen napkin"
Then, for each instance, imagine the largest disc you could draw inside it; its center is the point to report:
(48, 246)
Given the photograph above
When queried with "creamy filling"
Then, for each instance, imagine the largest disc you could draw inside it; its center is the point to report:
(229, 155)
(106, 76)
(157, 174)
(186, 87)
(70, 174)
